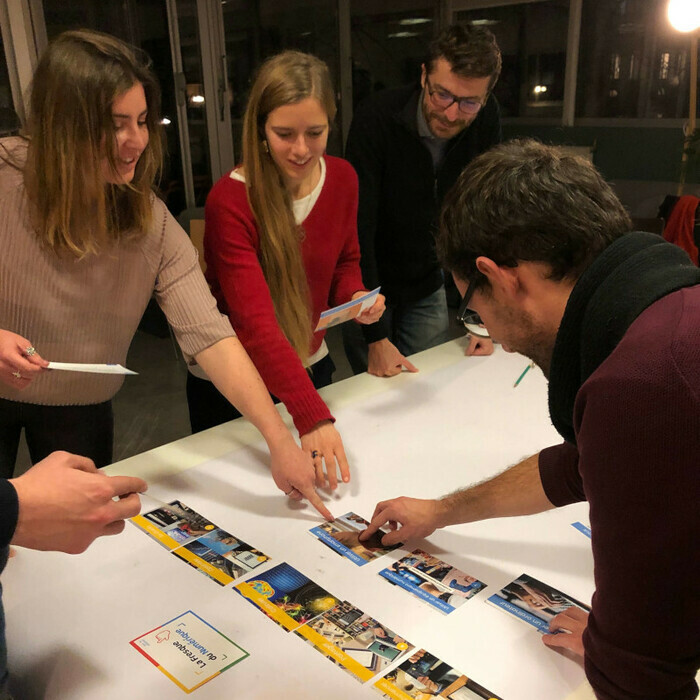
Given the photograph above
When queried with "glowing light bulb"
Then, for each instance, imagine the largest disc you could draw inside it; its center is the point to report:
(684, 15)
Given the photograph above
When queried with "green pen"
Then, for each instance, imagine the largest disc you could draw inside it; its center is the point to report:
(523, 373)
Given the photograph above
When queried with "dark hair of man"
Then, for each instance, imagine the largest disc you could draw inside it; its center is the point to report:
(524, 201)
(472, 52)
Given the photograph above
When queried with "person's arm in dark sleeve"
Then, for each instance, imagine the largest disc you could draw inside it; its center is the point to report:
(491, 131)
(364, 150)
(559, 474)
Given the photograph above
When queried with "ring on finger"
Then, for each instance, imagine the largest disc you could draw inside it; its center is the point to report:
(289, 493)
(31, 350)
(17, 374)
(314, 454)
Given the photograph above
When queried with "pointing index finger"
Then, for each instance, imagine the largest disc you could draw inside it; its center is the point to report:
(310, 494)
(378, 519)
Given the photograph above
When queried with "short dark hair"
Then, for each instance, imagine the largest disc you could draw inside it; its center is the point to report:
(525, 201)
(472, 52)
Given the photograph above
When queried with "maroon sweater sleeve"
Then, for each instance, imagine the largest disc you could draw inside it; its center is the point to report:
(231, 247)
(638, 432)
(559, 474)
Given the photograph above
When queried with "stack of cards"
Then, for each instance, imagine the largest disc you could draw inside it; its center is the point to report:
(209, 549)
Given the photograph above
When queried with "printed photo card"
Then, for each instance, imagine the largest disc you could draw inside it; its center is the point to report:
(342, 535)
(423, 676)
(432, 580)
(287, 596)
(358, 643)
(533, 601)
(197, 541)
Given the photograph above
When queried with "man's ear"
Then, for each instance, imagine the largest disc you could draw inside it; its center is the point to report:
(503, 279)
(423, 73)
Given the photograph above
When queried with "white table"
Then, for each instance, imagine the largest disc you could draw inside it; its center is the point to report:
(70, 619)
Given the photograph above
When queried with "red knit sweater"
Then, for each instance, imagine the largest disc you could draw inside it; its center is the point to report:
(331, 257)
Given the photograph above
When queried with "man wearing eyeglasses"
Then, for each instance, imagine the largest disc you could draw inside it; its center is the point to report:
(408, 146)
(541, 248)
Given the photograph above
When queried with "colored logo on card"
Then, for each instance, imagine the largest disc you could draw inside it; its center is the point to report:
(263, 588)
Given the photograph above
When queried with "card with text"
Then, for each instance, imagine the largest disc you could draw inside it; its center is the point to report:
(286, 596)
(584, 529)
(423, 676)
(346, 312)
(436, 582)
(214, 552)
(221, 556)
(189, 650)
(533, 602)
(358, 643)
(343, 536)
(170, 528)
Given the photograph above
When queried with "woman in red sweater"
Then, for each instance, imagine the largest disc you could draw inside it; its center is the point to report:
(281, 246)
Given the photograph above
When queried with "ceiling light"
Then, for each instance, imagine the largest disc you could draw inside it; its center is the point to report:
(684, 15)
(412, 21)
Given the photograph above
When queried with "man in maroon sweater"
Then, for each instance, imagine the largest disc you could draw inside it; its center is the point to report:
(540, 247)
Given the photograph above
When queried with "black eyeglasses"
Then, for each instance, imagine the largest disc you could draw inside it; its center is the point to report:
(465, 314)
(445, 99)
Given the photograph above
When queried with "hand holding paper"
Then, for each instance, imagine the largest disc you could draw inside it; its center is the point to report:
(371, 314)
(349, 310)
(19, 361)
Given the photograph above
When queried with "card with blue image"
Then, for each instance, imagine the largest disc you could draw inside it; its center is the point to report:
(432, 580)
(533, 601)
(342, 535)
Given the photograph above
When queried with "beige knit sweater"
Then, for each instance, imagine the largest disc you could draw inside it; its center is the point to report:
(88, 310)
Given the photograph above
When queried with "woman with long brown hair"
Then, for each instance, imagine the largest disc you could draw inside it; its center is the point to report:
(85, 245)
(281, 246)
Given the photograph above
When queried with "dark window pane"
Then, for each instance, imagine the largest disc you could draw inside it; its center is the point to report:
(632, 62)
(255, 31)
(532, 37)
(389, 43)
(9, 122)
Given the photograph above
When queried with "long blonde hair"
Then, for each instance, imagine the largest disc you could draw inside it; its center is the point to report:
(286, 78)
(70, 131)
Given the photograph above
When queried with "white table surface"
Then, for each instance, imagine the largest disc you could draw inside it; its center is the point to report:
(459, 420)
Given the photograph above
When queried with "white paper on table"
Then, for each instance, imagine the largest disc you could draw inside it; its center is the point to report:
(347, 311)
(85, 367)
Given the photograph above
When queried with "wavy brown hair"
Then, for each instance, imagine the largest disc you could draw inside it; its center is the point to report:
(70, 131)
(284, 79)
